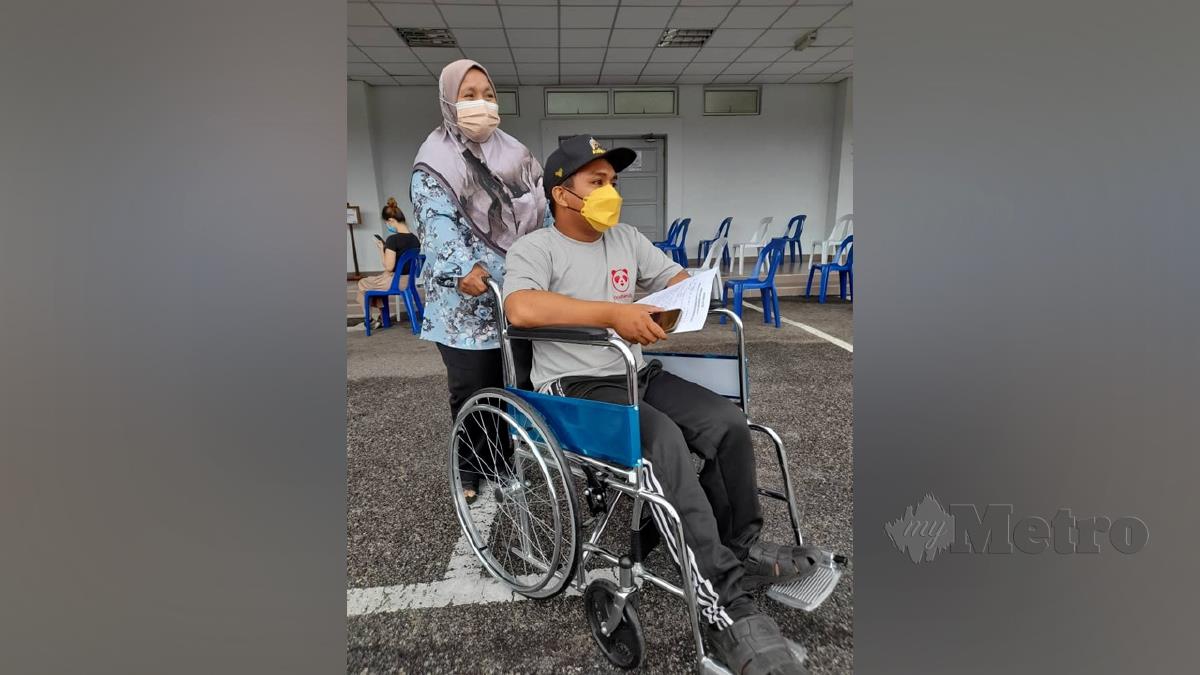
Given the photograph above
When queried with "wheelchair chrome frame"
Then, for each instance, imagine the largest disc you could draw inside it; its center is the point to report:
(624, 481)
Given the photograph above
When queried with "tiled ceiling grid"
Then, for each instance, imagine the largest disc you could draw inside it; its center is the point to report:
(590, 42)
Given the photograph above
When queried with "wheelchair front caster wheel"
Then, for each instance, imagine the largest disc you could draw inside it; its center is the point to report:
(625, 645)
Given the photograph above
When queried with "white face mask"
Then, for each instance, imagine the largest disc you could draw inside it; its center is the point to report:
(478, 119)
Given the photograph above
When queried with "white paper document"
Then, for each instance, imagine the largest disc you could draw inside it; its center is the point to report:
(691, 297)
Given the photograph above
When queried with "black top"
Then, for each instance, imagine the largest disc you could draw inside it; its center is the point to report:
(401, 242)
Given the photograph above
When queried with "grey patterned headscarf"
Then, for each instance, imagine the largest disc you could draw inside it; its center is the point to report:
(497, 184)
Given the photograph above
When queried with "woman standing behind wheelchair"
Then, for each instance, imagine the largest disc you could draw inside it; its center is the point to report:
(475, 190)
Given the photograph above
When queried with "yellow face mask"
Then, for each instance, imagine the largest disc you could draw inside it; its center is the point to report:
(601, 208)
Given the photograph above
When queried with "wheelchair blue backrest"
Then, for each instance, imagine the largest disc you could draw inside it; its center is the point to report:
(604, 431)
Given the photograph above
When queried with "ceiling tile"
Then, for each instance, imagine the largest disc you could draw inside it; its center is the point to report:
(694, 79)
(592, 69)
(733, 37)
(732, 79)
(437, 55)
(634, 37)
(618, 79)
(524, 69)
(807, 55)
(472, 16)
(779, 37)
(803, 78)
(378, 81)
(627, 55)
(745, 68)
(708, 3)
(588, 3)
(488, 55)
(466, 2)
(583, 37)
(414, 16)
(663, 69)
(844, 19)
(704, 68)
(587, 17)
(506, 80)
(543, 80)
(657, 79)
(499, 68)
(622, 68)
(841, 54)
(718, 54)
(828, 37)
(537, 55)
(788, 69)
(771, 79)
(806, 17)
(674, 54)
(529, 2)
(371, 36)
(358, 14)
(752, 17)
(405, 68)
(781, 3)
(363, 69)
(390, 54)
(643, 17)
(588, 55)
(401, 2)
(355, 55)
(763, 54)
(578, 79)
(480, 37)
(826, 66)
(837, 77)
(649, 3)
(415, 79)
(529, 17)
(698, 17)
(531, 37)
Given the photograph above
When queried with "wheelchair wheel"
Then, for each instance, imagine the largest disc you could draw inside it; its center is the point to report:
(523, 527)
(625, 645)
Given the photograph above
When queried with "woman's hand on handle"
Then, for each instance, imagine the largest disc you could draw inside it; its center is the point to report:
(475, 283)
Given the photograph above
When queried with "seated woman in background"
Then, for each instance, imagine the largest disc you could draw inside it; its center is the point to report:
(400, 239)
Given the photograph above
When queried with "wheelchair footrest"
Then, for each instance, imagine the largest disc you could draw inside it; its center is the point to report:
(809, 591)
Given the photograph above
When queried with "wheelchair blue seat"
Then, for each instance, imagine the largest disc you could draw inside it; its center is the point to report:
(604, 431)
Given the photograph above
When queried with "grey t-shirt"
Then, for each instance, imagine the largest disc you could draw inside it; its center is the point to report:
(606, 269)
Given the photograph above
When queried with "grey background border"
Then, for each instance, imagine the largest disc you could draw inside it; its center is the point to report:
(1027, 324)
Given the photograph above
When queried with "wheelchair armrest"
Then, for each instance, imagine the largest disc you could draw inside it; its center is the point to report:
(561, 334)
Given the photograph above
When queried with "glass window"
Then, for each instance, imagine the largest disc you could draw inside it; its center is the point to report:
(579, 102)
(508, 102)
(644, 102)
(731, 101)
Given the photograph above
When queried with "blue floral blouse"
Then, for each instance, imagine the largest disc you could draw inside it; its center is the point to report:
(451, 249)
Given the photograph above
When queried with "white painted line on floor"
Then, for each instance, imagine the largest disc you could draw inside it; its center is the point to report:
(805, 327)
(462, 584)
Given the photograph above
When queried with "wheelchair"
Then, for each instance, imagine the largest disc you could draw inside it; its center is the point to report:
(526, 526)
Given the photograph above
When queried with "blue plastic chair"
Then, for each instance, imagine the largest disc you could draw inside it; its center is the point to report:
(677, 246)
(670, 235)
(770, 255)
(722, 231)
(413, 306)
(845, 270)
(794, 239)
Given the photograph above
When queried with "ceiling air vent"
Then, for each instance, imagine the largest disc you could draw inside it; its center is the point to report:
(684, 37)
(427, 37)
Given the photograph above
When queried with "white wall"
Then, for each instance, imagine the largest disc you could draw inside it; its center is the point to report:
(841, 175)
(778, 163)
(361, 189)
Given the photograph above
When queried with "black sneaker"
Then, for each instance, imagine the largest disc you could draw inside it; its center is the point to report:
(767, 564)
(753, 645)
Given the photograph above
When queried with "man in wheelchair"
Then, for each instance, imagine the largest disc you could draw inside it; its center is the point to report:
(582, 272)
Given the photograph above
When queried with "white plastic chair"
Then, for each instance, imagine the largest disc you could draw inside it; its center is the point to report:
(713, 259)
(760, 240)
(841, 229)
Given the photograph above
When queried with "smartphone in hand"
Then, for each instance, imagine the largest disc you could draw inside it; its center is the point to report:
(667, 319)
(380, 239)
